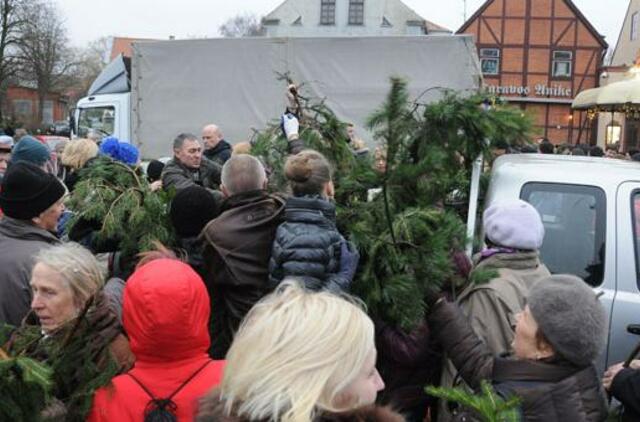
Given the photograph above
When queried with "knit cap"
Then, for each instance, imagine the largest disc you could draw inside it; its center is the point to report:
(570, 316)
(27, 191)
(120, 151)
(31, 150)
(514, 224)
(6, 143)
(191, 209)
(154, 170)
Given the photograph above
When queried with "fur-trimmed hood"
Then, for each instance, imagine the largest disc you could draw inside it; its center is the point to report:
(211, 409)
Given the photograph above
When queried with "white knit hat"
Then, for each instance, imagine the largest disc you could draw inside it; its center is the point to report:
(514, 224)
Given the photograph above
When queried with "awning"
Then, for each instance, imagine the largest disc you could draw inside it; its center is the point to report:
(613, 97)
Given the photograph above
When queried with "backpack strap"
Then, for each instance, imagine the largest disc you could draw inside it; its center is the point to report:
(168, 402)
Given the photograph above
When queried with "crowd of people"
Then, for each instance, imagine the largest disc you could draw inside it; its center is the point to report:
(250, 318)
(545, 146)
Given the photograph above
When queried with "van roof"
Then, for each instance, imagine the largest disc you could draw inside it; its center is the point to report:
(565, 168)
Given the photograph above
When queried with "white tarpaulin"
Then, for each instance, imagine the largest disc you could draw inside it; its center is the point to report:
(179, 86)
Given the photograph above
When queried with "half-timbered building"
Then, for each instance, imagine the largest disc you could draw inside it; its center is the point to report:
(538, 55)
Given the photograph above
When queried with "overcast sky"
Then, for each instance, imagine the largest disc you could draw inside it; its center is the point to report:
(90, 19)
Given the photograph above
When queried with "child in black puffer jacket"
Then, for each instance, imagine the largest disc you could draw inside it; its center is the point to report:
(308, 245)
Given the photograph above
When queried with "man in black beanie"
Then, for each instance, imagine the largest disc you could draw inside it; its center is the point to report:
(191, 209)
(32, 202)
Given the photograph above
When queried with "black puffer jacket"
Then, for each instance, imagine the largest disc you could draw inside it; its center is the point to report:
(552, 390)
(307, 245)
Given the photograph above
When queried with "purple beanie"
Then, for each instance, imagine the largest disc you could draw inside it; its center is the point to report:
(514, 224)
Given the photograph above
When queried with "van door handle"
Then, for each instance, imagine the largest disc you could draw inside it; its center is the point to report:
(633, 329)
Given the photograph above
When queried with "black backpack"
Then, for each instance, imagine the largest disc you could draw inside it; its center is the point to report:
(164, 409)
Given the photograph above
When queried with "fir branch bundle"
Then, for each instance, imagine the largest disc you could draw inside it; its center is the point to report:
(487, 406)
(406, 234)
(118, 199)
(25, 385)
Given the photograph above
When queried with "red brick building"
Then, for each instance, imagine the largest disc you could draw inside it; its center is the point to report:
(21, 104)
(538, 55)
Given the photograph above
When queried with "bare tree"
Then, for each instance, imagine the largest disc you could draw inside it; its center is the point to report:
(89, 62)
(45, 58)
(10, 29)
(244, 25)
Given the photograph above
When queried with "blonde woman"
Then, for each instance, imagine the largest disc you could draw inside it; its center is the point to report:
(300, 356)
(75, 157)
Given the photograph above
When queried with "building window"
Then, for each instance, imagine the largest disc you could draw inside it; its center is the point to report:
(562, 64)
(634, 26)
(356, 12)
(490, 61)
(23, 108)
(47, 112)
(613, 133)
(327, 12)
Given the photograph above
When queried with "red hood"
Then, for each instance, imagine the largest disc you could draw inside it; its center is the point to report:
(166, 312)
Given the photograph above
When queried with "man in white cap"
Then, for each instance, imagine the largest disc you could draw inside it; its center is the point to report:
(511, 261)
(6, 144)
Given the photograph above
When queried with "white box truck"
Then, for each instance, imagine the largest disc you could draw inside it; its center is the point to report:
(173, 86)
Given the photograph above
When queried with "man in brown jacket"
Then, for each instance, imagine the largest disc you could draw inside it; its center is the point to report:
(238, 247)
(514, 233)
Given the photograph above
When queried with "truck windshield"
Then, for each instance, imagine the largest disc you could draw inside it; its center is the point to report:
(574, 223)
(97, 119)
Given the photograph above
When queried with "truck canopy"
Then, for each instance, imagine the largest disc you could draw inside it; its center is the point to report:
(179, 86)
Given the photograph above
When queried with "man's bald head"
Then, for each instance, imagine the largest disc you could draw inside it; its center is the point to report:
(211, 135)
(242, 173)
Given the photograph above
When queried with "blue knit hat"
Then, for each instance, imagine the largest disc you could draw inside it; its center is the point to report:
(120, 151)
(30, 150)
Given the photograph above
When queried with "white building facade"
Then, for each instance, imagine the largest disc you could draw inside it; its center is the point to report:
(334, 18)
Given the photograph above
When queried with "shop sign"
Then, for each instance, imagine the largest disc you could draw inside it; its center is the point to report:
(539, 90)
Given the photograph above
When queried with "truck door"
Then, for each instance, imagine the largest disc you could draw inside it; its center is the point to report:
(626, 304)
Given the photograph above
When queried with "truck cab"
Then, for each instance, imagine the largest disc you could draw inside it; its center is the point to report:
(106, 109)
(590, 208)
(106, 114)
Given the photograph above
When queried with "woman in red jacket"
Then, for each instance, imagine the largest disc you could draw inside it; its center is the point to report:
(166, 315)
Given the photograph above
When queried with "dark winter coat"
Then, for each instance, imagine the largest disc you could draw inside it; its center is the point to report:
(236, 256)
(307, 245)
(626, 389)
(406, 363)
(20, 241)
(550, 391)
(211, 409)
(177, 175)
(220, 153)
(192, 247)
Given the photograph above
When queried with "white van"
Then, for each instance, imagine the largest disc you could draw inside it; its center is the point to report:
(590, 208)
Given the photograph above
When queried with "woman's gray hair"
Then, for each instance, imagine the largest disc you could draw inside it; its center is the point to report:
(77, 266)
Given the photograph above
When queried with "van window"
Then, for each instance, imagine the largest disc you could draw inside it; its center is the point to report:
(574, 219)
